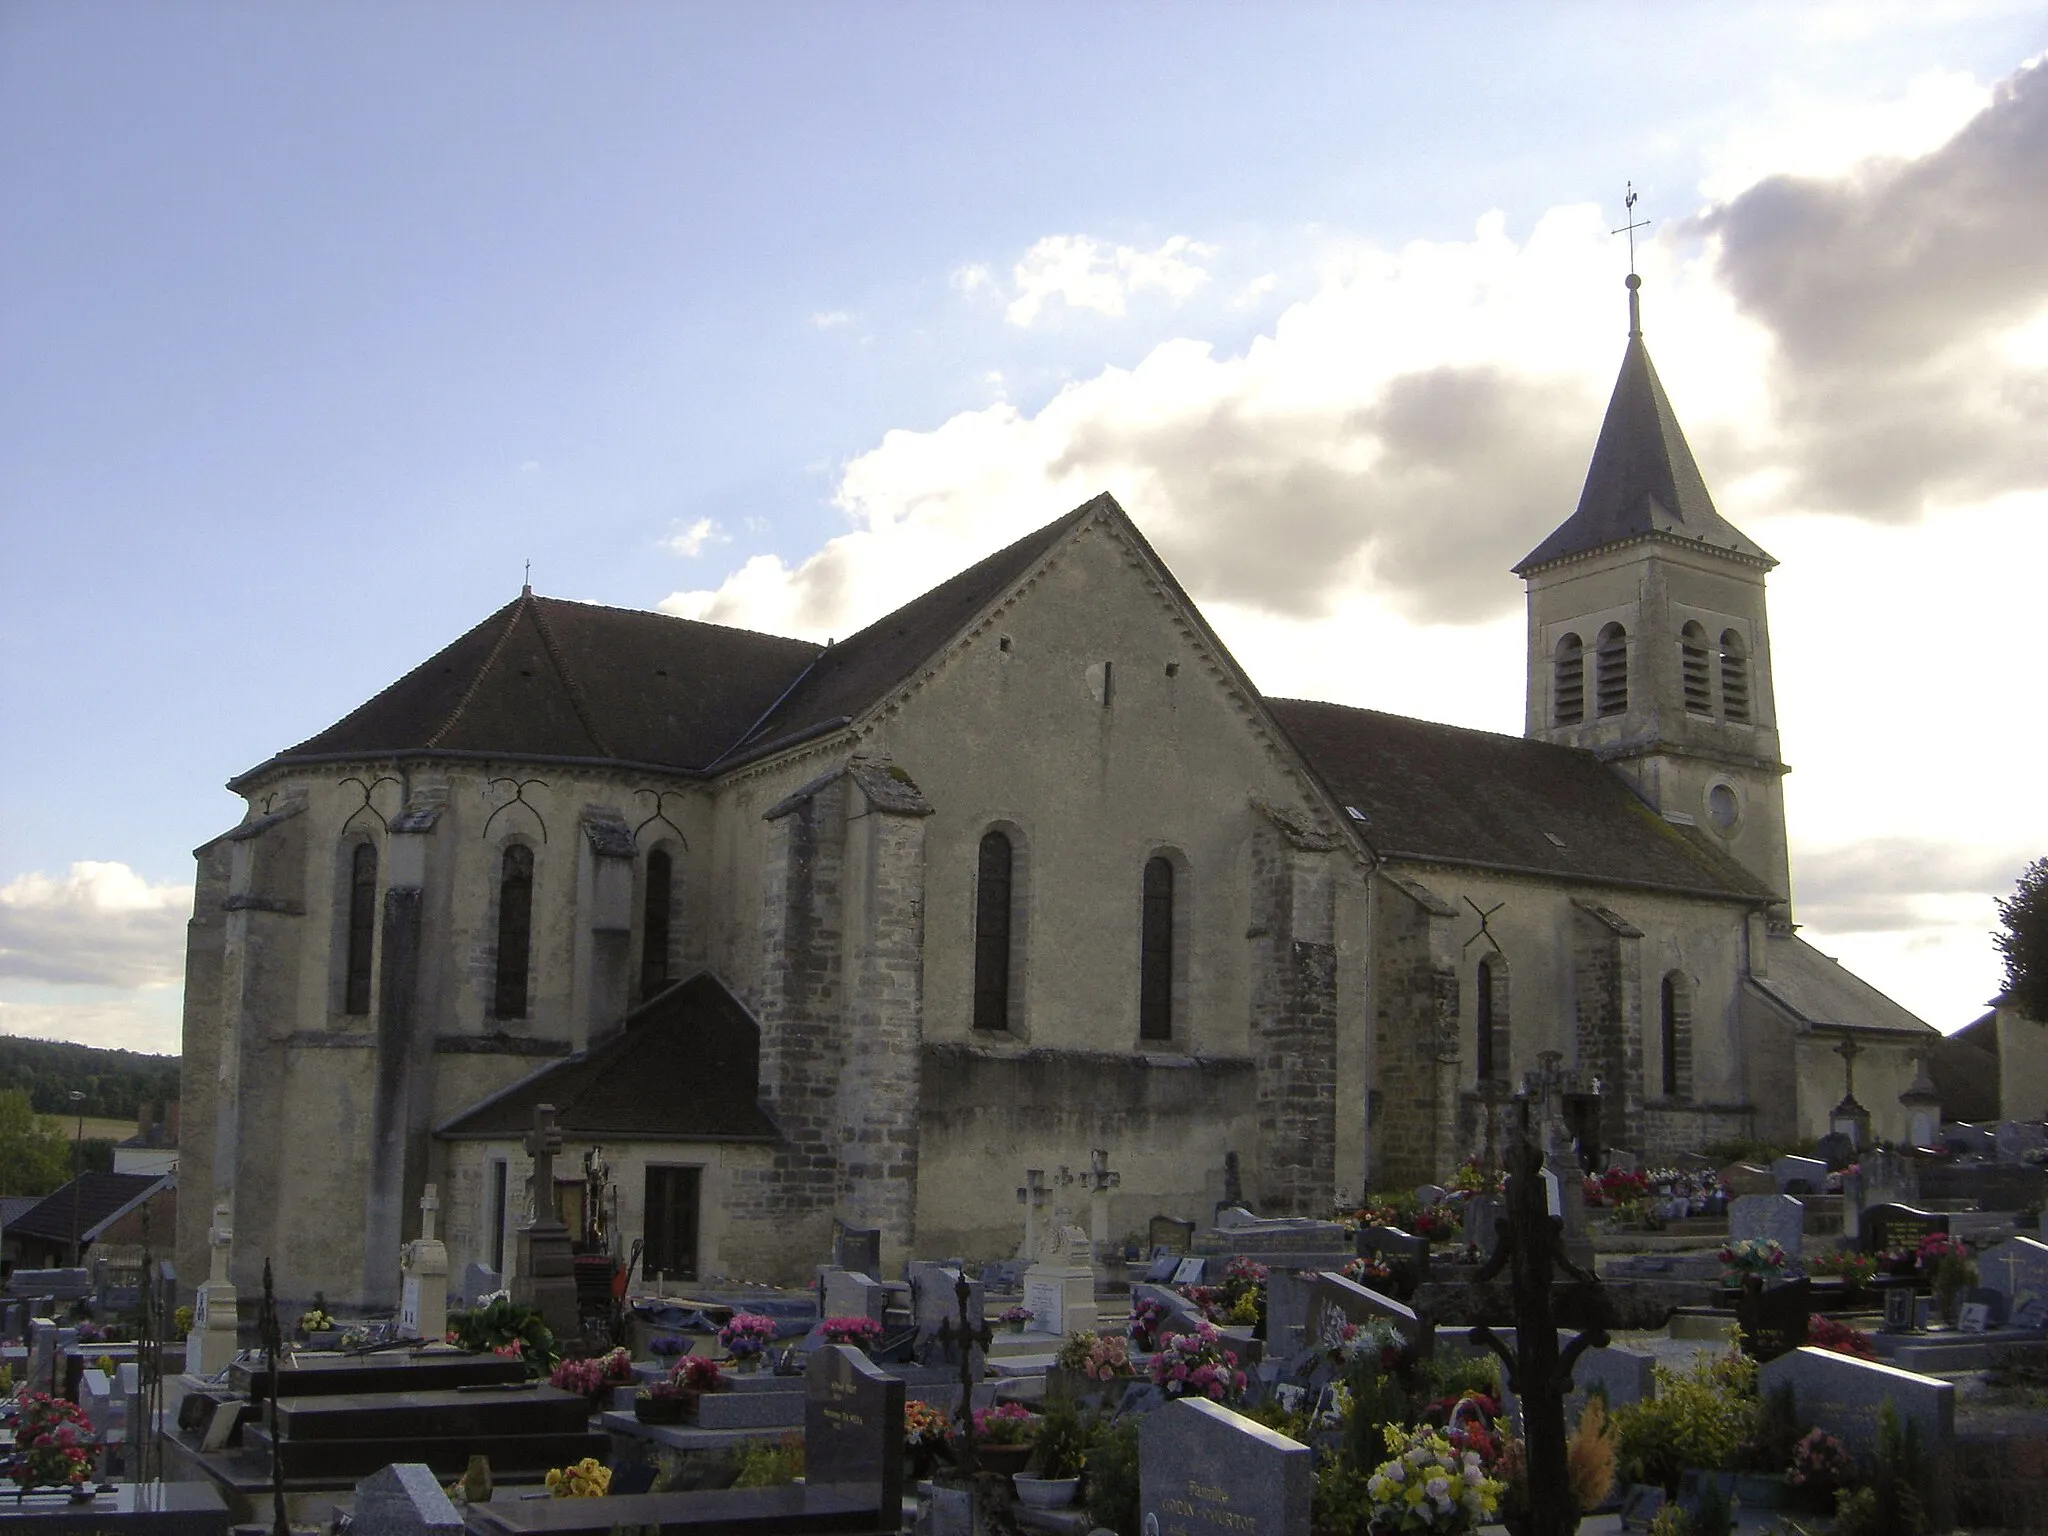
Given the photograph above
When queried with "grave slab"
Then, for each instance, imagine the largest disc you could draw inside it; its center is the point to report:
(404, 1499)
(1776, 1218)
(134, 1509)
(1844, 1396)
(1336, 1301)
(1204, 1469)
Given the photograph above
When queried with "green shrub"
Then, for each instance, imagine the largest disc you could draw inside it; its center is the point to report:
(1112, 1470)
(1699, 1418)
(770, 1466)
(1445, 1374)
(501, 1322)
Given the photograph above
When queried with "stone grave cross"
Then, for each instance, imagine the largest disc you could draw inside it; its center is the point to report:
(423, 1278)
(1032, 1197)
(542, 1143)
(212, 1343)
(1099, 1180)
(1849, 1116)
(1547, 1084)
(546, 1276)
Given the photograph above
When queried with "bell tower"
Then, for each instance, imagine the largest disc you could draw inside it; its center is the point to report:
(1648, 641)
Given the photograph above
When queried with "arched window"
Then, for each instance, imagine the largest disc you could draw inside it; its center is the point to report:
(654, 923)
(1610, 665)
(362, 928)
(1155, 954)
(1695, 672)
(1675, 1012)
(1483, 1061)
(1568, 694)
(1734, 676)
(515, 931)
(993, 890)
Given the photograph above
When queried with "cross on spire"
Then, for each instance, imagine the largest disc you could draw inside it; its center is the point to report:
(1630, 224)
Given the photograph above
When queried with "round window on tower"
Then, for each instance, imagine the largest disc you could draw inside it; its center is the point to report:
(1724, 810)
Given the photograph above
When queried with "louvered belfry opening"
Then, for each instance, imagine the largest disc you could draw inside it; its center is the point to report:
(515, 932)
(992, 898)
(1611, 671)
(1568, 697)
(1734, 676)
(1697, 674)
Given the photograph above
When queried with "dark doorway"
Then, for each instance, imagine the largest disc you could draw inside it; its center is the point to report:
(1582, 1119)
(671, 1222)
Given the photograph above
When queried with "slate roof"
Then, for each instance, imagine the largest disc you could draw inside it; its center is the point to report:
(1444, 794)
(545, 678)
(102, 1199)
(1820, 991)
(1642, 479)
(685, 1066)
(1966, 1074)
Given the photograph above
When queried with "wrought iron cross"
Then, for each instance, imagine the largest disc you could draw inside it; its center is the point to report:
(273, 1345)
(1628, 204)
(966, 1337)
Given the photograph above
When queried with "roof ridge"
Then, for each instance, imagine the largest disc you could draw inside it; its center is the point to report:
(569, 683)
(476, 679)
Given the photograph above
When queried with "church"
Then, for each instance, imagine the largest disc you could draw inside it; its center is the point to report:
(1029, 868)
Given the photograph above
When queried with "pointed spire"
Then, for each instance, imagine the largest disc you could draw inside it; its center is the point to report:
(1643, 479)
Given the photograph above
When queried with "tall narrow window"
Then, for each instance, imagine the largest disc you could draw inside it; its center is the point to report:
(654, 924)
(1676, 1014)
(1697, 676)
(1483, 1007)
(362, 928)
(1734, 676)
(1155, 955)
(515, 931)
(670, 1221)
(1568, 696)
(992, 896)
(1610, 662)
(494, 1218)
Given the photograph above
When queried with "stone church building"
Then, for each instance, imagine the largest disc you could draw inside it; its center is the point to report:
(1028, 867)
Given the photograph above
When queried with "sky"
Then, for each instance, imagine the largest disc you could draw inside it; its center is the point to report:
(317, 322)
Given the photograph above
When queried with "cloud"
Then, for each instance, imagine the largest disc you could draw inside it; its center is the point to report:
(1900, 884)
(1891, 294)
(693, 540)
(973, 278)
(102, 924)
(144, 1019)
(1086, 274)
(831, 319)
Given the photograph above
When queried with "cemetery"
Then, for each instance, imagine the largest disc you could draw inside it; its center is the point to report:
(1850, 1342)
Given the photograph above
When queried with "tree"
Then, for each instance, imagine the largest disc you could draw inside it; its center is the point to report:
(2024, 943)
(35, 1154)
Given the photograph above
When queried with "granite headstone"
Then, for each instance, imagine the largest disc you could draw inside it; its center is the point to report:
(1204, 1469)
(404, 1500)
(1844, 1396)
(853, 1426)
(1775, 1218)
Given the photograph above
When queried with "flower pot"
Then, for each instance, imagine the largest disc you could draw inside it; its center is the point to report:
(1005, 1460)
(1045, 1492)
(1017, 1327)
(658, 1410)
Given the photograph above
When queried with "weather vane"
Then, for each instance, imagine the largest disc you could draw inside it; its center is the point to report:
(1629, 206)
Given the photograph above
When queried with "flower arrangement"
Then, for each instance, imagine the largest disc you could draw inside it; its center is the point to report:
(587, 1479)
(1365, 1271)
(747, 1334)
(315, 1320)
(582, 1377)
(1005, 1424)
(923, 1426)
(860, 1332)
(1852, 1268)
(1936, 1246)
(1378, 1338)
(1015, 1318)
(1471, 1179)
(1244, 1271)
(1428, 1485)
(90, 1332)
(1099, 1357)
(1197, 1365)
(1752, 1256)
(1826, 1333)
(666, 1344)
(496, 1321)
(359, 1338)
(1438, 1223)
(697, 1373)
(52, 1442)
(1820, 1464)
(1147, 1317)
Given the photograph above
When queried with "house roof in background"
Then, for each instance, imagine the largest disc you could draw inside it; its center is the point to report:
(102, 1199)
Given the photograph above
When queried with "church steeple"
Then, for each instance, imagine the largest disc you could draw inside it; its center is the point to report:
(1648, 641)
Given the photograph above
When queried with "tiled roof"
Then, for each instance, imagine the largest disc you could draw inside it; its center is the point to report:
(1440, 793)
(685, 1065)
(1819, 991)
(1642, 479)
(102, 1197)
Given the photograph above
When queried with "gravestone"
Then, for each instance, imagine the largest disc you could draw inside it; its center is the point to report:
(1483, 1215)
(1336, 1301)
(2017, 1269)
(1899, 1226)
(1837, 1149)
(1406, 1257)
(1775, 1218)
(1189, 1270)
(423, 1278)
(853, 1427)
(479, 1281)
(1748, 1179)
(1174, 1236)
(1160, 1270)
(1430, 1194)
(211, 1345)
(1204, 1469)
(850, 1293)
(1287, 1304)
(1181, 1314)
(1774, 1319)
(858, 1248)
(1844, 1395)
(2012, 1140)
(1622, 1160)
(1800, 1175)
(1619, 1376)
(1059, 1289)
(404, 1500)
(936, 1309)
(1997, 1306)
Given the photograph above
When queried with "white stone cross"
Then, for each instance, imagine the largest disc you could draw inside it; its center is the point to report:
(221, 1237)
(1099, 1180)
(1032, 1197)
(430, 1202)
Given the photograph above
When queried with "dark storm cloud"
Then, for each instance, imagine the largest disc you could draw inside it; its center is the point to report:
(1431, 491)
(1887, 290)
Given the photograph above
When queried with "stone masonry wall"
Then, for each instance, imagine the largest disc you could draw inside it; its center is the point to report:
(1294, 1019)
(1608, 1026)
(1415, 1047)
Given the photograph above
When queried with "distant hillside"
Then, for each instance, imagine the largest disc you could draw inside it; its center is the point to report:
(115, 1083)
